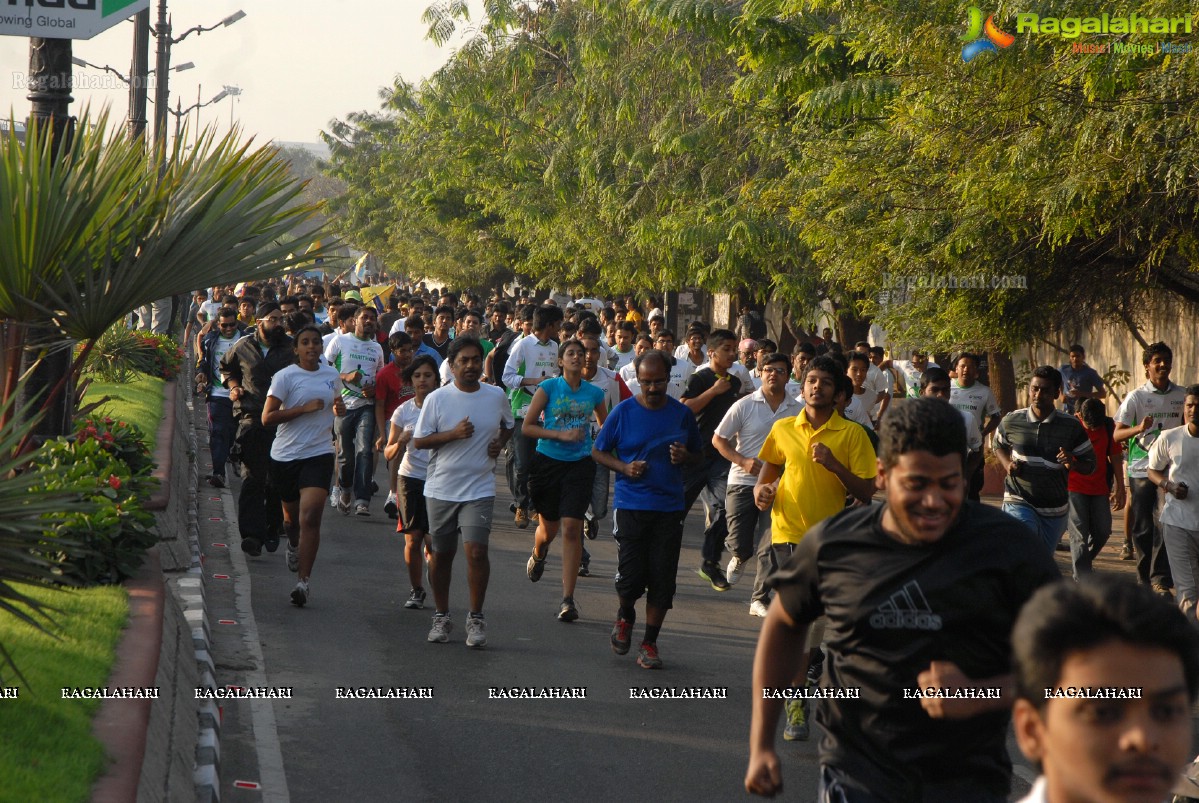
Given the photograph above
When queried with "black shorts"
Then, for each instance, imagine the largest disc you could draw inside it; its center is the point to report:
(410, 496)
(560, 489)
(647, 546)
(289, 476)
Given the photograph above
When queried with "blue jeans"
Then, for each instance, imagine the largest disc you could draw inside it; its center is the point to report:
(522, 449)
(222, 428)
(356, 451)
(1050, 528)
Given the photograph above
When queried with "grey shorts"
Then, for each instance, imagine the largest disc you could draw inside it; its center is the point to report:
(447, 519)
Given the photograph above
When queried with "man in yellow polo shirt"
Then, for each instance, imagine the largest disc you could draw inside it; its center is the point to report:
(824, 455)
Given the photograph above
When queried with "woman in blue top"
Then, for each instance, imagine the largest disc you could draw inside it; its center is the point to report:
(562, 471)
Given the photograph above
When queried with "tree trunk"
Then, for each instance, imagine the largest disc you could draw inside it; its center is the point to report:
(851, 329)
(1003, 379)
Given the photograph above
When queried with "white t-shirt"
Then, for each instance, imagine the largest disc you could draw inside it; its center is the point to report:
(310, 435)
(682, 350)
(210, 309)
(444, 372)
(680, 372)
(1176, 452)
(607, 381)
(461, 471)
(629, 374)
(1166, 409)
(878, 381)
(415, 464)
(348, 352)
(856, 410)
(219, 349)
(911, 376)
(746, 425)
(622, 359)
(974, 435)
(977, 399)
(741, 372)
(529, 357)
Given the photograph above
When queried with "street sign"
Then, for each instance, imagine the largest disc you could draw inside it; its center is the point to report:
(65, 19)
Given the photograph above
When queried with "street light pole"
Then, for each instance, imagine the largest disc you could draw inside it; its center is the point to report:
(162, 63)
(139, 74)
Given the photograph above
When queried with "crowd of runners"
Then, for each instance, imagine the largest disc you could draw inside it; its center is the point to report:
(309, 392)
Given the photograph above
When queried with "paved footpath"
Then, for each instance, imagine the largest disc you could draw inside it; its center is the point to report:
(461, 744)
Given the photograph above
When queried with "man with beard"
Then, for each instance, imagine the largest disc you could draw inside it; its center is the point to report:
(921, 593)
(358, 358)
(247, 370)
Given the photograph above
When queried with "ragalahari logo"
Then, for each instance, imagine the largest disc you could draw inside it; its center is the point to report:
(982, 36)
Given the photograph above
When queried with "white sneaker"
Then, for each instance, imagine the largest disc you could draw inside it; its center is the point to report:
(440, 632)
(758, 608)
(299, 594)
(476, 632)
(293, 558)
(732, 572)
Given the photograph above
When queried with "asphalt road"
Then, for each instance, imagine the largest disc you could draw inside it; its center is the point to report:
(461, 743)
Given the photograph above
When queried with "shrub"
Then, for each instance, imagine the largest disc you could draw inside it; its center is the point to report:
(107, 465)
(121, 353)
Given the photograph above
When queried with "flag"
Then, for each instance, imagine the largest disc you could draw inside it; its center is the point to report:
(360, 268)
(377, 294)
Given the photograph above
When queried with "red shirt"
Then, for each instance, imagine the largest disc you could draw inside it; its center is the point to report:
(390, 390)
(1095, 483)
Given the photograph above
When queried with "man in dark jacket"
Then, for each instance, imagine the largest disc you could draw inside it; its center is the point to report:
(247, 370)
(221, 424)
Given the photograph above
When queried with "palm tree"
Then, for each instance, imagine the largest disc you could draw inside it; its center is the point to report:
(89, 236)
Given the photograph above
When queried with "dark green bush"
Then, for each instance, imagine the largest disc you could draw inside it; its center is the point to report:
(108, 465)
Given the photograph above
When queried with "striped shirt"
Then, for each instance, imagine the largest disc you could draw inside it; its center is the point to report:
(1042, 483)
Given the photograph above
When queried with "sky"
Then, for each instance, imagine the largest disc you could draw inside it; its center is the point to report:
(299, 63)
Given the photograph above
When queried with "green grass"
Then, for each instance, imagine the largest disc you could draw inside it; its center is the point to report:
(138, 402)
(47, 751)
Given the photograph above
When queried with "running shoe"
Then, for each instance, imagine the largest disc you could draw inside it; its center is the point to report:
(711, 572)
(390, 507)
(590, 527)
(647, 656)
(251, 546)
(293, 557)
(568, 612)
(216, 480)
(584, 570)
(440, 632)
(343, 502)
(816, 668)
(521, 519)
(416, 600)
(535, 567)
(733, 572)
(362, 509)
(476, 632)
(622, 636)
(757, 608)
(299, 594)
(271, 542)
(796, 729)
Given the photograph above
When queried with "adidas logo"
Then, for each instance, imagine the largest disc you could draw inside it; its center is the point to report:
(906, 609)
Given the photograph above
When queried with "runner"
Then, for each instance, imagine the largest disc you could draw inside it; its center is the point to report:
(920, 591)
(646, 441)
(391, 390)
(222, 426)
(1144, 415)
(530, 361)
(421, 375)
(562, 473)
(967, 393)
(1090, 519)
(1174, 466)
(301, 402)
(680, 370)
(628, 374)
(626, 336)
(615, 391)
(739, 438)
(710, 393)
(358, 358)
(465, 425)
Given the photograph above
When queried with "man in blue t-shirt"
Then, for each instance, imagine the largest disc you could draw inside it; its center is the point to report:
(646, 441)
(1080, 381)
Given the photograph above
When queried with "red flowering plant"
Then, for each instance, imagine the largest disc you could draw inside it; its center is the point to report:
(120, 354)
(122, 440)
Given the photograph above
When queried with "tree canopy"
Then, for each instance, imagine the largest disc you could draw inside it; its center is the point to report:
(794, 149)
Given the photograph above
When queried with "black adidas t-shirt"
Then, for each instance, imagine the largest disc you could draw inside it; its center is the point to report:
(894, 608)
